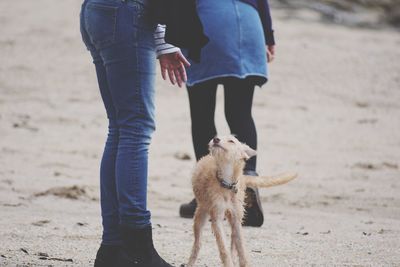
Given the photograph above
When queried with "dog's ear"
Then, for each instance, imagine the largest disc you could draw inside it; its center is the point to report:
(248, 152)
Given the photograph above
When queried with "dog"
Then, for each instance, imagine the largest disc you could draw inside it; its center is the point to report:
(219, 187)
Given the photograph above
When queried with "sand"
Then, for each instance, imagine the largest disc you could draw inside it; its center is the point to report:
(331, 112)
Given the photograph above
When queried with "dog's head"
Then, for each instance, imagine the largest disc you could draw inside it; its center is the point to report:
(229, 149)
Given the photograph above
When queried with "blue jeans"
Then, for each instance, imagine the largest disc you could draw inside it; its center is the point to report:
(119, 36)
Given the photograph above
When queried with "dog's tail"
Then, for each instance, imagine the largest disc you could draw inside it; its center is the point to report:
(268, 181)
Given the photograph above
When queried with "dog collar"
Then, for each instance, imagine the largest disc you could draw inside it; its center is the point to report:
(230, 186)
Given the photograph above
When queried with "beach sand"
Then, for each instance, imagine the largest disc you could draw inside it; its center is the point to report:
(331, 112)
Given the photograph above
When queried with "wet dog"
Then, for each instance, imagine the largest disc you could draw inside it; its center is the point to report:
(219, 187)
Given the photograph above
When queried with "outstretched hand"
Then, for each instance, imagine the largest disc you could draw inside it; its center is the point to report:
(174, 64)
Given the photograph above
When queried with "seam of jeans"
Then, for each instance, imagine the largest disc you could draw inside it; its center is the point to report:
(138, 83)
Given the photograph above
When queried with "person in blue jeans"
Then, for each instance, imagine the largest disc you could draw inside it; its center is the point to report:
(123, 41)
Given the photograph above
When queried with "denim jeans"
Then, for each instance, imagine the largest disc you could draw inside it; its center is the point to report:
(119, 36)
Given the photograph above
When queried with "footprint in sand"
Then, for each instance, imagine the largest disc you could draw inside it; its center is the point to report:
(41, 222)
(7, 43)
(23, 123)
(376, 166)
(69, 192)
(182, 156)
(361, 104)
(367, 121)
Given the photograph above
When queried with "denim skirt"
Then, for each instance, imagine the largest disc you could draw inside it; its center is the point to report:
(236, 47)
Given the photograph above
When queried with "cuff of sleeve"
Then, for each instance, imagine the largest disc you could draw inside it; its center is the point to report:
(170, 50)
(269, 37)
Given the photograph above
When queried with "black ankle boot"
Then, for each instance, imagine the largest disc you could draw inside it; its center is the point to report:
(187, 210)
(107, 256)
(138, 249)
(253, 210)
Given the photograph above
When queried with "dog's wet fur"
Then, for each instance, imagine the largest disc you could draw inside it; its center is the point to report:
(225, 161)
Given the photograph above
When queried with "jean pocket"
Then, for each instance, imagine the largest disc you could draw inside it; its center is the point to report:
(141, 12)
(101, 22)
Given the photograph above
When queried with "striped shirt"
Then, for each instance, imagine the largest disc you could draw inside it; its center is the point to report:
(161, 46)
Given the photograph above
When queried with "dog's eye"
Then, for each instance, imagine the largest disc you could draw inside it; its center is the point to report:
(231, 141)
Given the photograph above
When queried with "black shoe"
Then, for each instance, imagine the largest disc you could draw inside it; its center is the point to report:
(253, 210)
(107, 256)
(138, 249)
(187, 210)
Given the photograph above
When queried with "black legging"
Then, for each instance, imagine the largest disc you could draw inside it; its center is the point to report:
(238, 103)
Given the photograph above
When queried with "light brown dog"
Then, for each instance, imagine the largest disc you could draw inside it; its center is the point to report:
(219, 187)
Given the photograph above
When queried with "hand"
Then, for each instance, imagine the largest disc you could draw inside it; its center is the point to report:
(174, 64)
(270, 53)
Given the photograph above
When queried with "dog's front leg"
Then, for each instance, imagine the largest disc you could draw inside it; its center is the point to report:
(233, 240)
(217, 227)
(237, 237)
(200, 218)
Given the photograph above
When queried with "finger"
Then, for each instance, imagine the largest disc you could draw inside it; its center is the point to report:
(178, 77)
(183, 73)
(171, 76)
(177, 74)
(183, 60)
(163, 72)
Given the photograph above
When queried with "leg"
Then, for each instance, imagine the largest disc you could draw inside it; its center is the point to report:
(202, 99)
(233, 249)
(200, 219)
(233, 244)
(111, 239)
(237, 238)
(238, 106)
(108, 191)
(130, 74)
(217, 227)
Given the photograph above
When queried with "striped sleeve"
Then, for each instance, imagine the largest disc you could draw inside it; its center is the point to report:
(161, 46)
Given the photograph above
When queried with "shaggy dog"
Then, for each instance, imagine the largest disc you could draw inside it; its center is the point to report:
(219, 187)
